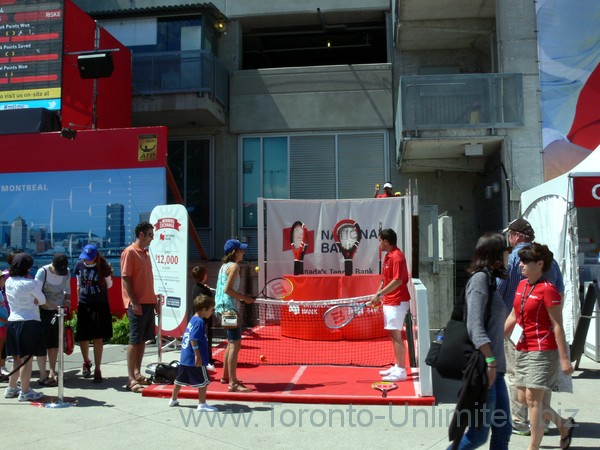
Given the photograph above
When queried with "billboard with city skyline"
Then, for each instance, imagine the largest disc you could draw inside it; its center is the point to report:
(63, 210)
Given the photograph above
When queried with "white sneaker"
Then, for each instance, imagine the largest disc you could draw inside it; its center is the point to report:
(12, 392)
(173, 402)
(388, 371)
(4, 370)
(30, 396)
(210, 368)
(206, 407)
(397, 375)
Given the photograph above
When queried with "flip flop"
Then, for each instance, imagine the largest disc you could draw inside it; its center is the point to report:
(135, 387)
(565, 442)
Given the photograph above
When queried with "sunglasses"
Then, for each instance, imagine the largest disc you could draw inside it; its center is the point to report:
(527, 260)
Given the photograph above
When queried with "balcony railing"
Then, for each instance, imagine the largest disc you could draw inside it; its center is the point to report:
(462, 101)
(180, 72)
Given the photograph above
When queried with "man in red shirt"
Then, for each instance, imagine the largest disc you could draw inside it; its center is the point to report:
(387, 191)
(139, 297)
(393, 291)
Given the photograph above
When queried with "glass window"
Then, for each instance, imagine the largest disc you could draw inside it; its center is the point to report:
(321, 166)
(275, 168)
(265, 173)
(189, 162)
(251, 175)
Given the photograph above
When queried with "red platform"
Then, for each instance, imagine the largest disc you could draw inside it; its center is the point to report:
(304, 384)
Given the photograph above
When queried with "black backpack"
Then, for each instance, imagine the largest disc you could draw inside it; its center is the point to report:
(452, 349)
(163, 373)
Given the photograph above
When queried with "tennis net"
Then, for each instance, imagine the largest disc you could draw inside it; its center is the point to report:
(280, 332)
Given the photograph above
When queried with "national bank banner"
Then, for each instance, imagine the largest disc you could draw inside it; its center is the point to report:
(329, 237)
(569, 54)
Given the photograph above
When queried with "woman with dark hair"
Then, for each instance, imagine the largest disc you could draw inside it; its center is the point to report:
(24, 336)
(487, 336)
(55, 280)
(542, 347)
(227, 298)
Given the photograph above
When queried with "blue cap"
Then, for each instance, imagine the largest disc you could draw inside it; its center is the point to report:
(234, 244)
(89, 252)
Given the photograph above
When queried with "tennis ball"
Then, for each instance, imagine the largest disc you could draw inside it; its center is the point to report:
(377, 186)
(263, 358)
(256, 269)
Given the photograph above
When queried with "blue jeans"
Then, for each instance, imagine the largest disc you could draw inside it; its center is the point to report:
(496, 418)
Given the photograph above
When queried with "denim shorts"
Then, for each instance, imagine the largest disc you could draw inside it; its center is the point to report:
(234, 334)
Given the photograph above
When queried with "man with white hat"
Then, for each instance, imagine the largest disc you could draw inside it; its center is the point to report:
(387, 190)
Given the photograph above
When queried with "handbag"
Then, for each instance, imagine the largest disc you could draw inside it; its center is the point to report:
(452, 348)
(229, 319)
(69, 340)
(68, 336)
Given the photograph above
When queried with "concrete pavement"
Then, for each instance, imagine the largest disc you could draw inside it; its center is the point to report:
(109, 417)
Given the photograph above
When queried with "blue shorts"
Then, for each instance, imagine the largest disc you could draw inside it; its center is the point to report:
(192, 376)
(141, 328)
(234, 334)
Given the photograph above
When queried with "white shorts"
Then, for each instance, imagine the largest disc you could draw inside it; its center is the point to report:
(393, 316)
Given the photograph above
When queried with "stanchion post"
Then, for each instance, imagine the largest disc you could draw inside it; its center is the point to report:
(159, 299)
(60, 403)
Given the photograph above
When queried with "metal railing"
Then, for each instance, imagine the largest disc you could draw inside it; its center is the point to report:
(180, 72)
(462, 101)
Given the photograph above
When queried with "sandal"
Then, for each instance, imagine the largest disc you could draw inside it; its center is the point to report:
(48, 382)
(238, 387)
(135, 387)
(143, 381)
(565, 441)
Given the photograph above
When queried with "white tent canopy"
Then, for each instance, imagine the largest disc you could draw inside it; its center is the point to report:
(550, 209)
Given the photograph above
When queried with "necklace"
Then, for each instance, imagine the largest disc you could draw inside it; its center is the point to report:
(525, 297)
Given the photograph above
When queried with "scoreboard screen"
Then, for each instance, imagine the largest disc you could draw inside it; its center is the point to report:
(31, 42)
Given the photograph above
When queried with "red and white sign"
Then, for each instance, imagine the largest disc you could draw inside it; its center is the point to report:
(586, 192)
(168, 251)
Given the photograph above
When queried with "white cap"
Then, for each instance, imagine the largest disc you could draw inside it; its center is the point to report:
(387, 185)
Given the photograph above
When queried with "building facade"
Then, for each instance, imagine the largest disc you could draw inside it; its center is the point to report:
(325, 99)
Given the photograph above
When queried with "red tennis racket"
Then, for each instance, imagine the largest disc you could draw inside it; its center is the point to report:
(299, 243)
(384, 387)
(347, 238)
(277, 289)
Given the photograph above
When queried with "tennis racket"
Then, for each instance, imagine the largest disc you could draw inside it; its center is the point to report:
(347, 238)
(384, 387)
(341, 315)
(299, 243)
(277, 289)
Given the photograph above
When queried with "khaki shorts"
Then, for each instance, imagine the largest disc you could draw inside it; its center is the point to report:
(536, 370)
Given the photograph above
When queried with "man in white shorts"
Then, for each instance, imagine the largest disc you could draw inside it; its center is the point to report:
(393, 291)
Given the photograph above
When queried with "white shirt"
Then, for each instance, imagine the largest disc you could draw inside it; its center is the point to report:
(21, 294)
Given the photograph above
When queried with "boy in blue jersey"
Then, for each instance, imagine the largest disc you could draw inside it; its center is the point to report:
(194, 354)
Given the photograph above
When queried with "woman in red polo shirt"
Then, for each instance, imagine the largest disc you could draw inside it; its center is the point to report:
(542, 347)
